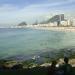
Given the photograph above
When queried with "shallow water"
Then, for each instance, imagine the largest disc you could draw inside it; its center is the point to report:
(14, 42)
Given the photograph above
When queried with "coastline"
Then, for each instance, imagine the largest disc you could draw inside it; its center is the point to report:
(70, 29)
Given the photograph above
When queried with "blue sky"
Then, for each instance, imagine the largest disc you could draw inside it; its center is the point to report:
(13, 12)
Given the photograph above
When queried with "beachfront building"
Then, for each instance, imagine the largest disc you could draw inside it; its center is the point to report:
(73, 22)
(65, 23)
(54, 24)
(69, 22)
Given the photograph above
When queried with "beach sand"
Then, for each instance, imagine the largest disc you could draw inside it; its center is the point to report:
(70, 29)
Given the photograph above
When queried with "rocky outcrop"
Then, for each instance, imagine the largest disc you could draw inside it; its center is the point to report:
(22, 24)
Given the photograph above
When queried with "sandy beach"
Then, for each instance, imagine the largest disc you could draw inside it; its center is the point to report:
(70, 29)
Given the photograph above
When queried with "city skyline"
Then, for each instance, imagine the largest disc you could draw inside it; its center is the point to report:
(13, 12)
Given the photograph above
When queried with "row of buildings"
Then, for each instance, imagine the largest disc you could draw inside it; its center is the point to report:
(58, 20)
(55, 21)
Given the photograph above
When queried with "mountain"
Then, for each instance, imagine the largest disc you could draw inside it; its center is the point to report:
(55, 18)
(22, 24)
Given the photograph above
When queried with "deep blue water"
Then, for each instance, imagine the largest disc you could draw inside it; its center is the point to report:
(30, 41)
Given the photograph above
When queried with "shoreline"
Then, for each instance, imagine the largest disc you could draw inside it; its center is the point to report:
(70, 29)
(52, 28)
(11, 63)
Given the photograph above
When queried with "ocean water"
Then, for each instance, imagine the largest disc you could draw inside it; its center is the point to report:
(25, 42)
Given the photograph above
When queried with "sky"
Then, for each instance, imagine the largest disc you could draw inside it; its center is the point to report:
(12, 12)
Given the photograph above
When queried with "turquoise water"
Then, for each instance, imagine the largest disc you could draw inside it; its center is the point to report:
(30, 41)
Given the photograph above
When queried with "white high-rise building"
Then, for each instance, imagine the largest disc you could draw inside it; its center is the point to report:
(73, 22)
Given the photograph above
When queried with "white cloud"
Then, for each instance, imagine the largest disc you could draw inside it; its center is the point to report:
(8, 8)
